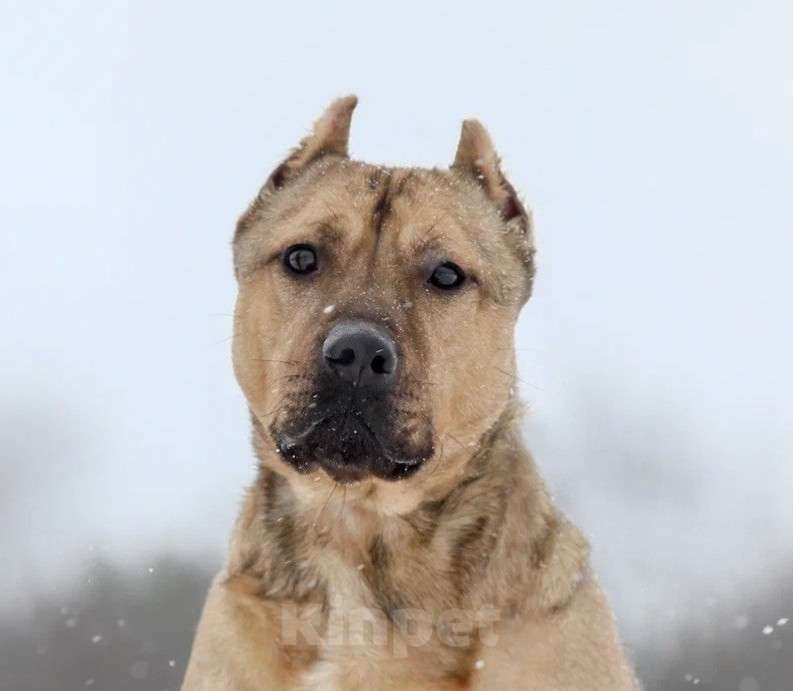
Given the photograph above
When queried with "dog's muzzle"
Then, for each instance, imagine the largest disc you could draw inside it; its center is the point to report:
(355, 425)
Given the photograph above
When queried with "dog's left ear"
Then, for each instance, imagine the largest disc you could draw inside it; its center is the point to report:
(477, 157)
(329, 136)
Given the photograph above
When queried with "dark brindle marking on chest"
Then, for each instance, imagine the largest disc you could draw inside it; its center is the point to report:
(469, 554)
(285, 574)
(277, 516)
(379, 580)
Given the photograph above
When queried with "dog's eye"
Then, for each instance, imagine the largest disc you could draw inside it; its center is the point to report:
(447, 276)
(301, 259)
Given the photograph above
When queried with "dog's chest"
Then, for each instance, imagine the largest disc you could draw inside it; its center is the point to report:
(368, 638)
(384, 596)
(352, 633)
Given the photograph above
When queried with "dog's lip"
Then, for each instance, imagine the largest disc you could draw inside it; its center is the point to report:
(287, 442)
(389, 457)
(343, 472)
(398, 467)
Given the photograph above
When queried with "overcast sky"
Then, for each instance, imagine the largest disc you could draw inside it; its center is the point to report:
(653, 141)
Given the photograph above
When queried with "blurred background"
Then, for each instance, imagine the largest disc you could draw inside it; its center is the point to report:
(653, 141)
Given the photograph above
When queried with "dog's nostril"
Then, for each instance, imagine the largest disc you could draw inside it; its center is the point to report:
(379, 365)
(346, 357)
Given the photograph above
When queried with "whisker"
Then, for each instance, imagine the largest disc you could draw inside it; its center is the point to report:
(278, 408)
(324, 506)
(235, 332)
(293, 377)
(455, 439)
(422, 382)
(343, 504)
(528, 350)
(283, 362)
(440, 460)
(518, 378)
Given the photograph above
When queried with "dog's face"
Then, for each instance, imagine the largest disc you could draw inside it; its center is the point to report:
(376, 309)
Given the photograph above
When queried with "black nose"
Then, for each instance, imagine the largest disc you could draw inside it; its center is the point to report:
(360, 354)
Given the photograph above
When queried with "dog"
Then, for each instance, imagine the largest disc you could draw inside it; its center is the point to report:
(398, 535)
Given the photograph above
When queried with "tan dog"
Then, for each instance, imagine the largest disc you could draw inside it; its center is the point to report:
(398, 535)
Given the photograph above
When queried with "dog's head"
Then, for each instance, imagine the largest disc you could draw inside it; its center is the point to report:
(374, 324)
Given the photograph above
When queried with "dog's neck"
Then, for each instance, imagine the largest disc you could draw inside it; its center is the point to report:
(484, 542)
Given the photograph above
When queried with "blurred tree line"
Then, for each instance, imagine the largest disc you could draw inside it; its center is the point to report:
(120, 630)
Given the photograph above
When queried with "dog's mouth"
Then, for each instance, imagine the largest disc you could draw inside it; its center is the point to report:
(354, 439)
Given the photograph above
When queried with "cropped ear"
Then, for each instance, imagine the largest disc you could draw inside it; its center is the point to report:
(477, 157)
(329, 136)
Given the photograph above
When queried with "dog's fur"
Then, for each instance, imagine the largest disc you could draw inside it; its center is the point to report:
(453, 520)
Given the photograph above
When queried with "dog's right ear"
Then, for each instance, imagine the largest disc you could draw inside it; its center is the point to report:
(330, 136)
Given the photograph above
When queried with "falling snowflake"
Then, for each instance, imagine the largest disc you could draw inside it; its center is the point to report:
(139, 669)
